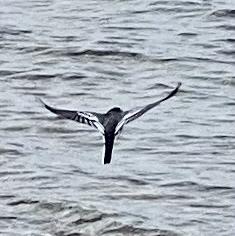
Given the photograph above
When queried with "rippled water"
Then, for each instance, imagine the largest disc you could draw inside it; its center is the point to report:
(173, 170)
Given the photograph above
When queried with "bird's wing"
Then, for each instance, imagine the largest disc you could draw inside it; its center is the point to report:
(135, 113)
(90, 118)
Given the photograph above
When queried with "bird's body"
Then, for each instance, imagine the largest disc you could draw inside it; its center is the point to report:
(111, 120)
(108, 124)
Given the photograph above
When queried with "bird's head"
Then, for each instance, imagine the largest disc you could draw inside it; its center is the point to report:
(115, 109)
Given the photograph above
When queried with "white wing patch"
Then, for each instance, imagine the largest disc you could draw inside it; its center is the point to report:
(90, 119)
(125, 119)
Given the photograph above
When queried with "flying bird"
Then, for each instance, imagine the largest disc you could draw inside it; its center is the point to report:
(109, 124)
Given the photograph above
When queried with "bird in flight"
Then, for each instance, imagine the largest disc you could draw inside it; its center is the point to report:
(109, 124)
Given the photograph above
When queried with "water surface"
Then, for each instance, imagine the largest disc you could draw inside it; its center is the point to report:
(172, 171)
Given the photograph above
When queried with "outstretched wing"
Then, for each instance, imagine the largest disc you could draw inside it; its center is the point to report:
(134, 114)
(90, 118)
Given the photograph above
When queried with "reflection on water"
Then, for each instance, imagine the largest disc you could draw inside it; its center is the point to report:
(172, 171)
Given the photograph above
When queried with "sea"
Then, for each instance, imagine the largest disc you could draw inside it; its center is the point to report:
(173, 169)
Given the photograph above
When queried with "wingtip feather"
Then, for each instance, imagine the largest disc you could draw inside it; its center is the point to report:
(39, 100)
(178, 85)
(173, 92)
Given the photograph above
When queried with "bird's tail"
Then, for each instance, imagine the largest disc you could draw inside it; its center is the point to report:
(108, 148)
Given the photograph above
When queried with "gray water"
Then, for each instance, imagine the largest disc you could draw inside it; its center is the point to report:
(173, 170)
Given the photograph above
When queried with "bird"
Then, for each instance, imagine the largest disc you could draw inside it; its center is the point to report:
(109, 124)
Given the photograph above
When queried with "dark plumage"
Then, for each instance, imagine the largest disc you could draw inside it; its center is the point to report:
(109, 124)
